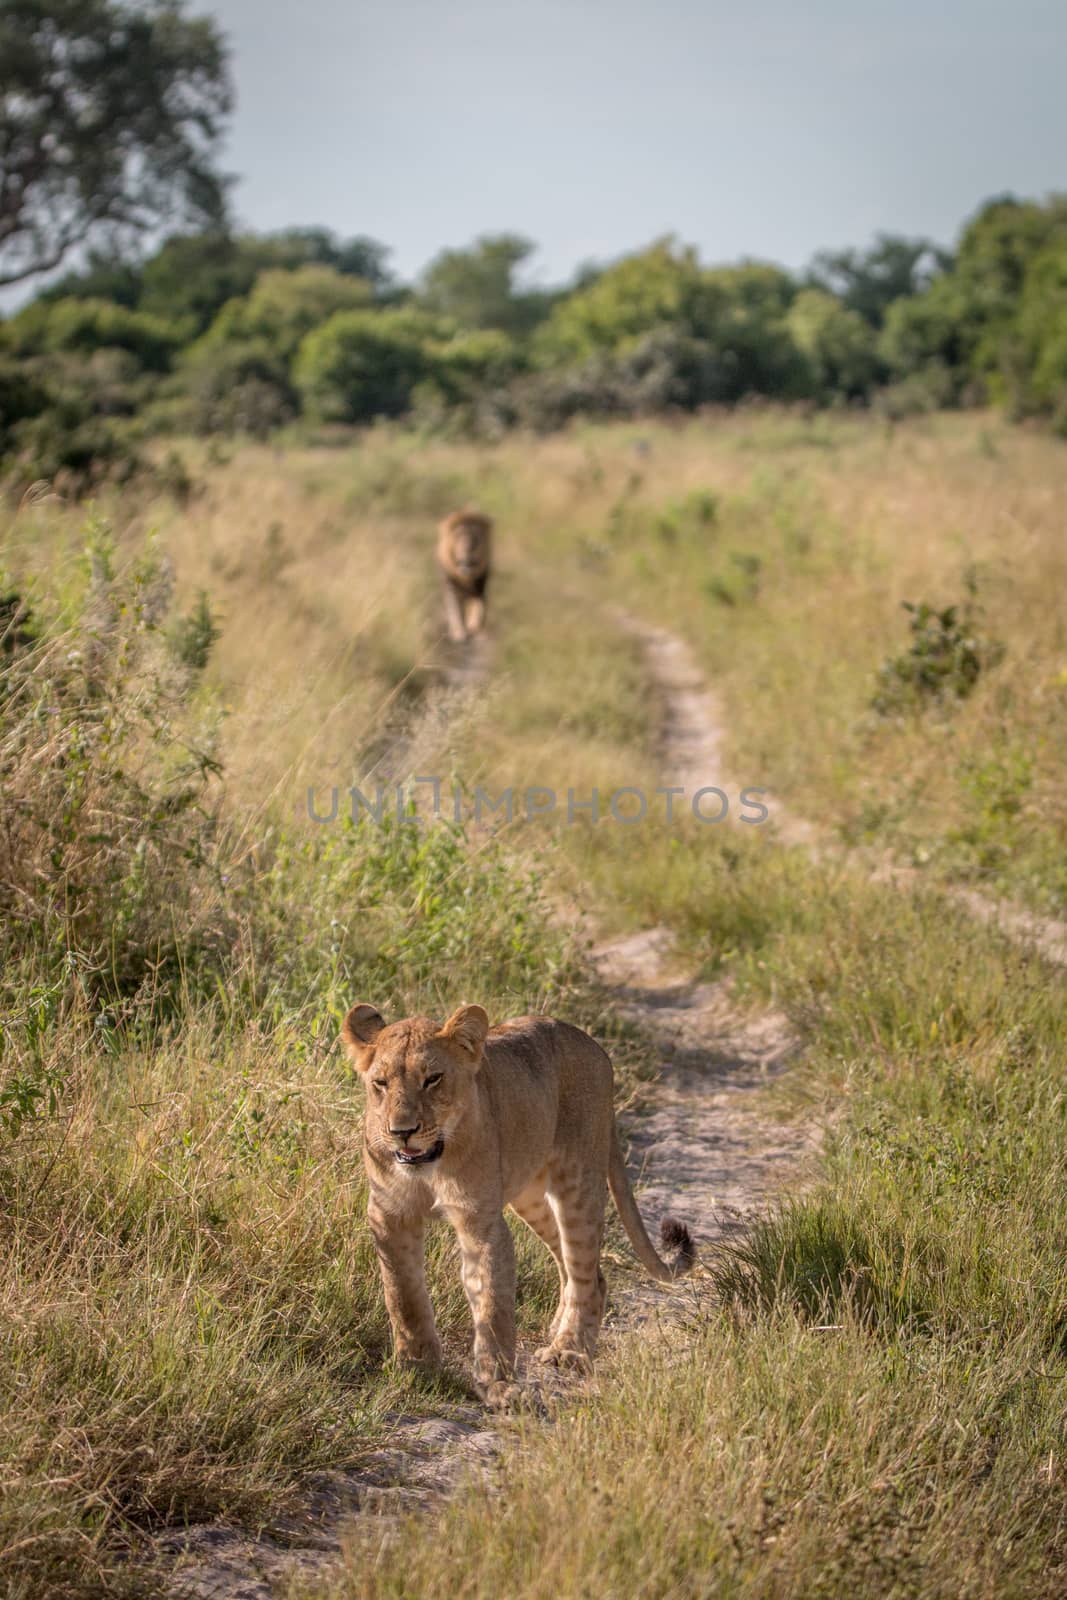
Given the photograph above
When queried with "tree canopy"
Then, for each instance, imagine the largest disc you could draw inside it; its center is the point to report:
(477, 288)
(110, 119)
(870, 281)
(223, 332)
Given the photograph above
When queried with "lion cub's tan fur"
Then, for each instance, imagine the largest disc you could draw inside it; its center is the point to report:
(463, 550)
(462, 1120)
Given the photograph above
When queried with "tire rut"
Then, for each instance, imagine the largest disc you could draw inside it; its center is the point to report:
(694, 727)
(702, 1148)
(706, 1148)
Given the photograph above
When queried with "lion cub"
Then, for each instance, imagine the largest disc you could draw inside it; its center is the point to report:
(462, 1120)
(463, 542)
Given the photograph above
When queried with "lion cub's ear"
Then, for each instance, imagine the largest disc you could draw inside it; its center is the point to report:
(466, 1029)
(359, 1030)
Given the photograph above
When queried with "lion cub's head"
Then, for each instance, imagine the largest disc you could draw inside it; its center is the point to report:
(419, 1077)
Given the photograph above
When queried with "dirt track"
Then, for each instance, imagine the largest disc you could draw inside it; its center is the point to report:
(702, 1150)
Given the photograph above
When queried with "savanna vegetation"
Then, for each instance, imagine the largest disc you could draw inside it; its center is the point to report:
(871, 1394)
(221, 333)
(223, 458)
(218, 331)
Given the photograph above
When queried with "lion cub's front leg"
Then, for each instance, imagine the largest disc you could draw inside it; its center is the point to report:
(401, 1256)
(488, 1267)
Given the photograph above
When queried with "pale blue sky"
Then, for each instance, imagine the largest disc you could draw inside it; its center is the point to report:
(770, 128)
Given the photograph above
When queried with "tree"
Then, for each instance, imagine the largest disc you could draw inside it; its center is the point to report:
(870, 281)
(931, 337)
(838, 345)
(103, 277)
(361, 257)
(997, 247)
(365, 364)
(52, 327)
(661, 287)
(110, 118)
(477, 289)
(473, 362)
(235, 388)
(727, 326)
(996, 251)
(285, 305)
(191, 276)
(751, 338)
(1036, 354)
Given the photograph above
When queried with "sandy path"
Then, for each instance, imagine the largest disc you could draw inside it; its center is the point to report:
(704, 1149)
(693, 726)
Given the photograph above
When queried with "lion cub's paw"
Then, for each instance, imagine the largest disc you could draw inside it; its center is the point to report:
(426, 1358)
(500, 1394)
(553, 1355)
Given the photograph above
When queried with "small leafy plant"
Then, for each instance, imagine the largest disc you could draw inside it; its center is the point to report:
(943, 661)
(193, 636)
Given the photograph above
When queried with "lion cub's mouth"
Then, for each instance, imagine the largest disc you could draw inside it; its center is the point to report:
(420, 1157)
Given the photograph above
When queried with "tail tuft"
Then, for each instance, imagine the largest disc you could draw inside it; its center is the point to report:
(674, 1235)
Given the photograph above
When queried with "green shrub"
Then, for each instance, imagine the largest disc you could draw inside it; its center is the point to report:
(234, 388)
(365, 364)
(51, 327)
(282, 307)
(22, 395)
(943, 661)
(108, 854)
(73, 449)
(838, 345)
(191, 637)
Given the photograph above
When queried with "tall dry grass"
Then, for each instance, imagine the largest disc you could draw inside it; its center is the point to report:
(191, 1315)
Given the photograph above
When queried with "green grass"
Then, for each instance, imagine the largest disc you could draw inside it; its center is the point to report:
(871, 1397)
(189, 1301)
(872, 1394)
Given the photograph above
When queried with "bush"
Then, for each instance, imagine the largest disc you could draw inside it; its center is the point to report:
(71, 448)
(22, 395)
(282, 308)
(191, 637)
(664, 370)
(699, 337)
(471, 362)
(234, 388)
(365, 364)
(107, 857)
(52, 327)
(932, 334)
(661, 287)
(837, 345)
(929, 390)
(943, 661)
(64, 417)
(1034, 358)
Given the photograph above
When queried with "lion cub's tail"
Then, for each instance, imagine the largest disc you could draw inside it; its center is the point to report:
(673, 1235)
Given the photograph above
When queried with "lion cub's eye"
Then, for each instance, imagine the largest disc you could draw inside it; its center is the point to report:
(435, 1077)
(380, 1084)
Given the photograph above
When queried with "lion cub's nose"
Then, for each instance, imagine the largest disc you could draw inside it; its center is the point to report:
(404, 1133)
